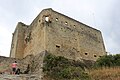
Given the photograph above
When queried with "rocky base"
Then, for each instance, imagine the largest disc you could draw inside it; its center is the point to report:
(33, 72)
(20, 77)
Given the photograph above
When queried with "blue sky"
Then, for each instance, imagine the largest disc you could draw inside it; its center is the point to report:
(100, 14)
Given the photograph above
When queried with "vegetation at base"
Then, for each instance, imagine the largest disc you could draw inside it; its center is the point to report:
(60, 68)
(108, 61)
(105, 73)
(106, 68)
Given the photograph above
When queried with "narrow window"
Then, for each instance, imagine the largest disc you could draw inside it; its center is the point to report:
(66, 23)
(57, 46)
(47, 19)
(86, 53)
(74, 26)
(56, 19)
(95, 56)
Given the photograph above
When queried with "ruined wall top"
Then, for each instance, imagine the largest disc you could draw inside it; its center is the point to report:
(49, 12)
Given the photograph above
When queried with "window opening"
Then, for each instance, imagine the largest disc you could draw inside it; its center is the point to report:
(74, 26)
(56, 19)
(57, 46)
(66, 23)
(95, 56)
(86, 53)
(47, 19)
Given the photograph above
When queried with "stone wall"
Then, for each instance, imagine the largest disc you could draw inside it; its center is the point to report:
(59, 35)
(36, 32)
(72, 39)
(18, 41)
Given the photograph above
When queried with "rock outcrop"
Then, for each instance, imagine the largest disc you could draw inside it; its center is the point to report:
(30, 67)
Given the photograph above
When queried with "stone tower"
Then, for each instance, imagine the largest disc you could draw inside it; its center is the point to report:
(58, 34)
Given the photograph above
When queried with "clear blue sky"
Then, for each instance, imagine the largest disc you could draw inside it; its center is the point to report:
(100, 14)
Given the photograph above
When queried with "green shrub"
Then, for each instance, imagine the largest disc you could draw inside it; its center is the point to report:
(60, 68)
(108, 61)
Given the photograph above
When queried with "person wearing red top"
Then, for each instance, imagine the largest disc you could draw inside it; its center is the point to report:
(14, 66)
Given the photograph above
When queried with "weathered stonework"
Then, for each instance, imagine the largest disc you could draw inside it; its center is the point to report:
(59, 35)
(33, 72)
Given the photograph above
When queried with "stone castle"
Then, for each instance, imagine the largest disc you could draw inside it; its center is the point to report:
(57, 34)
